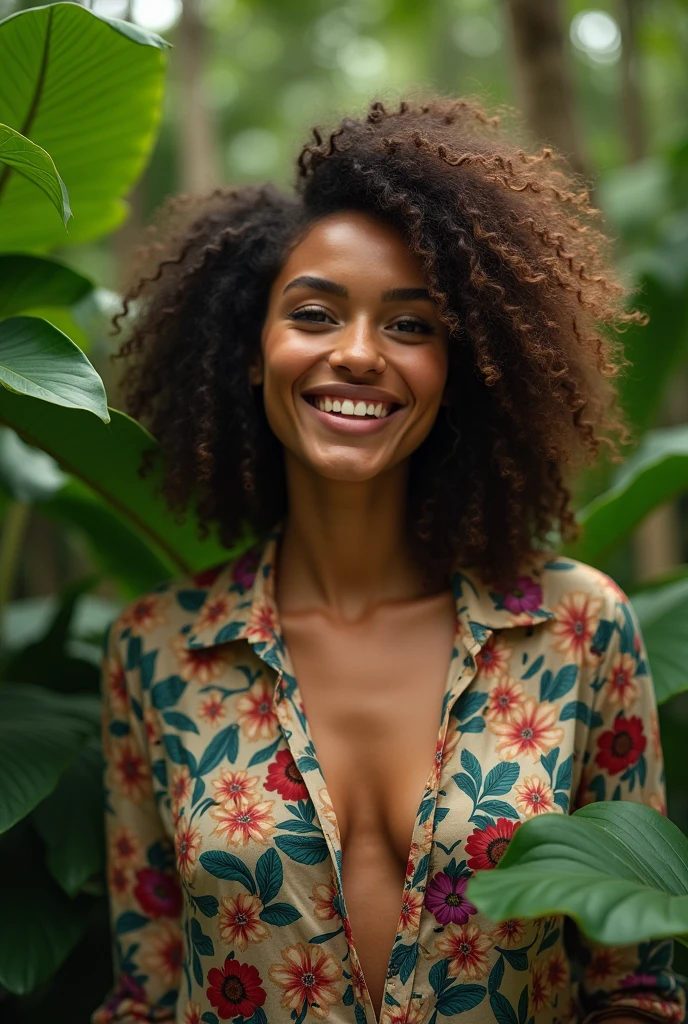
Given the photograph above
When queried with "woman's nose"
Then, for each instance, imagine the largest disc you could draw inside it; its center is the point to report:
(357, 350)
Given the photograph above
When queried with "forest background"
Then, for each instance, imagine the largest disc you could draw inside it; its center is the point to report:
(244, 81)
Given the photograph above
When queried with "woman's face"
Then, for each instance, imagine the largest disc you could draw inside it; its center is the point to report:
(354, 356)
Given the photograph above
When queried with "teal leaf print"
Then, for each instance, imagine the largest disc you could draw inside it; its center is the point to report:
(280, 914)
(359, 1013)
(549, 940)
(553, 688)
(229, 632)
(438, 975)
(179, 721)
(269, 875)
(403, 961)
(471, 764)
(208, 905)
(191, 600)
(166, 693)
(578, 709)
(202, 943)
(534, 668)
(325, 937)
(523, 1006)
(128, 921)
(496, 976)
(460, 998)
(147, 668)
(603, 634)
(516, 958)
(225, 744)
(136, 707)
(303, 849)
(502, 1009)
(265, 754)
(175, 750)
(134, 647)
(201, 808)
(421, 870)
(301, 827)
(564, 774)
(159, 769)
(307, 764)
(119, 728)
(497, 809)
(209, 1018)
(228, 867)
(199, 790)
(500, 779)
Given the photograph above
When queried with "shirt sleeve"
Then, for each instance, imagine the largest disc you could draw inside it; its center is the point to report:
(623, 761)
(143, 885)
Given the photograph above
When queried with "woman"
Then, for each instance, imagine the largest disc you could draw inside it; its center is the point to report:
(387, 380)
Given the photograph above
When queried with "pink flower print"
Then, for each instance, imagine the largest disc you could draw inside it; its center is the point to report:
(526, 596)
(444, 898)
(244, 571)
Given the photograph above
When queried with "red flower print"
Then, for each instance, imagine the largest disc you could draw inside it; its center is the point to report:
(531, 730)
(117, 685)
(262, 625)
(255, 713)
(285, 778)
(539, 990)
(323, 896)
(131, 771)
(124, 845)
(576, 618)
(244, 822)
(445, 899)
(487, 846)
(526, 596)
(622, 688)
(621, 745)
(187, 842)
(215, 610)
(180, 787)
(144, 615)
(606, 963)
(158, 894)
(505, 696)
(308, 975)
(534, 797)
(557, 972)
(201, 665)
(493, 659)
(212, 709)
(411, 906)
(164, 952)
(234, 787)
(235, 989)
(509, 933)
(467, 948)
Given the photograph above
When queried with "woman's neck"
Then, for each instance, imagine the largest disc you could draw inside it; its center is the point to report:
(345, 545)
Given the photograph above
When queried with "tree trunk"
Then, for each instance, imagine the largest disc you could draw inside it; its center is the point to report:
(541, 60)
(198, 150)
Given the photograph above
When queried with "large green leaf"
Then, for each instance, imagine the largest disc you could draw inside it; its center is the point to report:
(654, 474)
(663, 616)
(40, 734)
(26, 473)
(40, 924)
(88, 90)
(618, 868)
(106, 458)
(70, 822)
(30, 281)
(23, 156)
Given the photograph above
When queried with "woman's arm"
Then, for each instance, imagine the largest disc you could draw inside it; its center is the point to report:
(623, 761)
(143, 887)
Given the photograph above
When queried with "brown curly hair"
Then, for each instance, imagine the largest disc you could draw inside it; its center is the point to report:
(520, 275)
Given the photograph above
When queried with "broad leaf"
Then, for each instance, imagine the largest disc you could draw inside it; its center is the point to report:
(69, 822)
(88, 90)
(618, 868)
(40, 923)
(39, 361)
(27, 282)
(40, 735)
(106, 458)
(663, 614)
(23, 156)
(656, 472)
(26, 473)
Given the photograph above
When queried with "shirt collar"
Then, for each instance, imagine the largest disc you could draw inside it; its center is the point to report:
(240, 602)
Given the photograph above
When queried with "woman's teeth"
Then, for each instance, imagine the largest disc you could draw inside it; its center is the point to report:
(349, 408)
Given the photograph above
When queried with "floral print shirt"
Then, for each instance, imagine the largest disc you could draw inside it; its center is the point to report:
(224, 860)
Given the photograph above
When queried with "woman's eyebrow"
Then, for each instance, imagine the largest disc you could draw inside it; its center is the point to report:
(321, 284)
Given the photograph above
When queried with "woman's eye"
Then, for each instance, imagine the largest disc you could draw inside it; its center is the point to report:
(424, 328)
(308, 313)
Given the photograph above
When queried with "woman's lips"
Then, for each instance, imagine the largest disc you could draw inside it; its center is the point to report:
(341, 424)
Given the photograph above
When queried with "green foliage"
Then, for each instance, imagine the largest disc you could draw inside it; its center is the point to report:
(33, 163)
(663, 614)
(88, 90)
(29, 281)
(618, 868)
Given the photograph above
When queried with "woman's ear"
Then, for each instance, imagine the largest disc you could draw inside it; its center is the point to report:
(255, 372)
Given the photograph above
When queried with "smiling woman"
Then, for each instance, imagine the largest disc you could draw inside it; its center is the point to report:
(387, 379)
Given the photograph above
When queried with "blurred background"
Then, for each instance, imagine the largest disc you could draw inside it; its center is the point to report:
(606, 83)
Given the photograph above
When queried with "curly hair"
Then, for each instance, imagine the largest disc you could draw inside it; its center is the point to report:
(521, 277)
